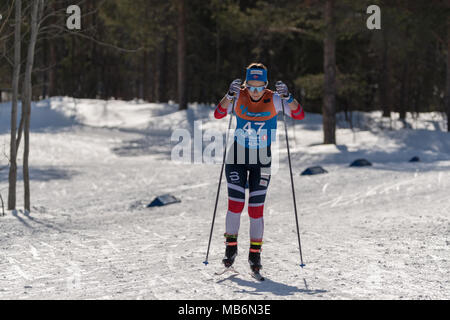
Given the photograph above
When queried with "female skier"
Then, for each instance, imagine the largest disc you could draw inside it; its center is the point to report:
(256, 109)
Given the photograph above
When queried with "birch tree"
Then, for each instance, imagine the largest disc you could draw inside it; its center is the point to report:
(36, 13)
(447, 87)
(15, 97)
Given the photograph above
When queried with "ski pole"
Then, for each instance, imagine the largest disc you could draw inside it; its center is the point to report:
(220, 182)
(292, 184)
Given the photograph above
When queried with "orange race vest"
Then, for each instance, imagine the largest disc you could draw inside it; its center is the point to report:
(256, 121)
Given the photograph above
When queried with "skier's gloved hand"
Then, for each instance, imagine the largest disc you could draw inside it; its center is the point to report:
(235, 87)
(282, 90)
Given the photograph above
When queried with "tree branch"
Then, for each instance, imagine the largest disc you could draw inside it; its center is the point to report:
(291, 29)
(109, 45)
(7, 17)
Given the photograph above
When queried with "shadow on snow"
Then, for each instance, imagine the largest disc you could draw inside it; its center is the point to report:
(277, 288)
(41, 174)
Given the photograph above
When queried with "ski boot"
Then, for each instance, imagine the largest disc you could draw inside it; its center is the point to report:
(230, 250)
(254, 257)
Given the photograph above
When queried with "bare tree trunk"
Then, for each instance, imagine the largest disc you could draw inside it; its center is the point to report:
(162, 79)
(26, 105)
(447, 94)
(3, 205)
(329, 97)
(182, 55)
(52, 71)
(404, 94)
(154, 70)
(385, 85)
(72, 66)
(53, 59)
(15, 97)
(19, 132)
(145, 76)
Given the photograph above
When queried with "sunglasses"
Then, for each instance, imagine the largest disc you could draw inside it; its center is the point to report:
(254, 89)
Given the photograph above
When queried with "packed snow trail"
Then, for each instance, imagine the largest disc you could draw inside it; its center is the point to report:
(381, 232)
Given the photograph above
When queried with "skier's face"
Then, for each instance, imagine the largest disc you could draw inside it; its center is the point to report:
(256, 89)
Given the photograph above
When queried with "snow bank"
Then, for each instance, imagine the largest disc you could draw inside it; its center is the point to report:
(366, 135)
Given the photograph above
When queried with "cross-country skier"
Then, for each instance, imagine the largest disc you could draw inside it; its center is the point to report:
(256, 109)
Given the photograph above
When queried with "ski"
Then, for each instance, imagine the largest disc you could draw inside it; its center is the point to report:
(257, 275)
(229, 269)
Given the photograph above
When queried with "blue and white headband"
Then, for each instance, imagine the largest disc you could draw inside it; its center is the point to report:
(256, 75)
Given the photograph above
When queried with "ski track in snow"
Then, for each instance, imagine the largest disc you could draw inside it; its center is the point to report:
(367, 233)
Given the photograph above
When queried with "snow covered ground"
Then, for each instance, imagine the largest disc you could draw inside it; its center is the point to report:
(380, 232)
